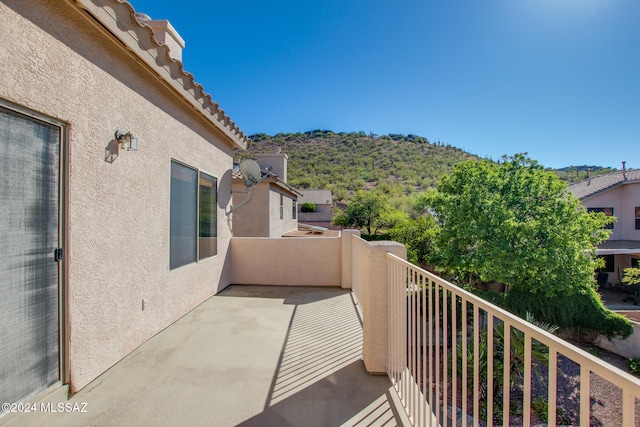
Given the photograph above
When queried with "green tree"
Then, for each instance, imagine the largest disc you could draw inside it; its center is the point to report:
(418, 235)
(366, 211)
(516, 224)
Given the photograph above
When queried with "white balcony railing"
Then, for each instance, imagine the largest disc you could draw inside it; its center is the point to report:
(445, 346)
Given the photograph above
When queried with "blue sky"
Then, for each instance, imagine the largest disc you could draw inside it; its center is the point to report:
(559, 79)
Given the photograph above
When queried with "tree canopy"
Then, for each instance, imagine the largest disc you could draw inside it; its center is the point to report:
(369, 210)
(516, 224)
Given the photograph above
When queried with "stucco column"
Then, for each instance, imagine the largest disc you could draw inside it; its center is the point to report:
(347, 257)
(375, 304)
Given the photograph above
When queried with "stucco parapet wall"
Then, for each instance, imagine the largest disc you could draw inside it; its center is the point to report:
(118, 17)
(371, 287)
(286, 261)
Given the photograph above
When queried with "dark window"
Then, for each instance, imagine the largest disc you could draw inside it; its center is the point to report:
(637, 218)
(281, 206)
(609, 263)
(184, 217)
(193, 222)
(606, 211)
(207, 216)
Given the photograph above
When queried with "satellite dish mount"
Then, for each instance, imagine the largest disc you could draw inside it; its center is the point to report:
(253, 176)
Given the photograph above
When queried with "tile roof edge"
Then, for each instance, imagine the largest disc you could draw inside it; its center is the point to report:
(623, 179)
(118, 17)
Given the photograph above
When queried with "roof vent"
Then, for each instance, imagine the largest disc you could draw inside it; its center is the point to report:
(165, 34)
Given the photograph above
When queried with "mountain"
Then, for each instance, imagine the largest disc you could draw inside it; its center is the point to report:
(572, 174)
(399, 165)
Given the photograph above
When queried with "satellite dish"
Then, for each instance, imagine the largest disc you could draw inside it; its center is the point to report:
(253, 176)
(251, 172)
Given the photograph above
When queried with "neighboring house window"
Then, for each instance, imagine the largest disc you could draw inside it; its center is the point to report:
(294, 209)
(637, 218)
(207, 216)
(193, 222)
(606, 211)
(281, 206)
(609, 263)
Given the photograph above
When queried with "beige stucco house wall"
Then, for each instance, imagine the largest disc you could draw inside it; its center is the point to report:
(92, 66)
(620, 191)
(623, 199)
(271, 210)
(261, 216)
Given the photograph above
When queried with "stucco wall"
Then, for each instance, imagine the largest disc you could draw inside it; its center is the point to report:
(623, 200)
(277, 226)
(54, 61)
(629, 347)
(288, 261)
(260, 217)
(323, 213)
(370, 284)
(251, 219)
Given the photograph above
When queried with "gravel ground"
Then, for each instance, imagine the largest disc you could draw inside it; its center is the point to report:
(606, 397)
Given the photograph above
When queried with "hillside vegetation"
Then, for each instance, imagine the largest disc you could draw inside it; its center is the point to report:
(398, 165)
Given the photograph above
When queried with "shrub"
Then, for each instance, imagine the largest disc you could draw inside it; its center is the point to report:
(631, 276)
(540, 406)
(580, 311)
(375, 237)
(594, 351)
(308, 207)
(634, 365)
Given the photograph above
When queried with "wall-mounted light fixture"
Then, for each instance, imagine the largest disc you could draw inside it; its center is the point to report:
(127, 140)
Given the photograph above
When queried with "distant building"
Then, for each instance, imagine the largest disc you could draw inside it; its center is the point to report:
(323, 215)
(273, 207)
(616, 194)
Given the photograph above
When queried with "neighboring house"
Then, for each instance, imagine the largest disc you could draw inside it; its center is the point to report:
(272, 210)
(324, 208)
(141, 237)
(616, 194)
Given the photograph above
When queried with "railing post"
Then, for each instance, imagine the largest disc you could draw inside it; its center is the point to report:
(376, 304)
(347, 257)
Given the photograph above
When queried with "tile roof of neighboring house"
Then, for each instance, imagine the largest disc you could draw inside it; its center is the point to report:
(235, 172)
(318, 197)
(601, 183)
(237, 175)
(119, 18)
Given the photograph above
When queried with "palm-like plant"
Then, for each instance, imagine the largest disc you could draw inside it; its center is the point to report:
(517, 347)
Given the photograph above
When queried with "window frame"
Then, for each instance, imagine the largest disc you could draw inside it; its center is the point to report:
(281, 206)
(202, 244)
(197, 243)
(637, 211)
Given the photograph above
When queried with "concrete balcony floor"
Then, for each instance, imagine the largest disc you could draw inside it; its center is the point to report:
(249, 356)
